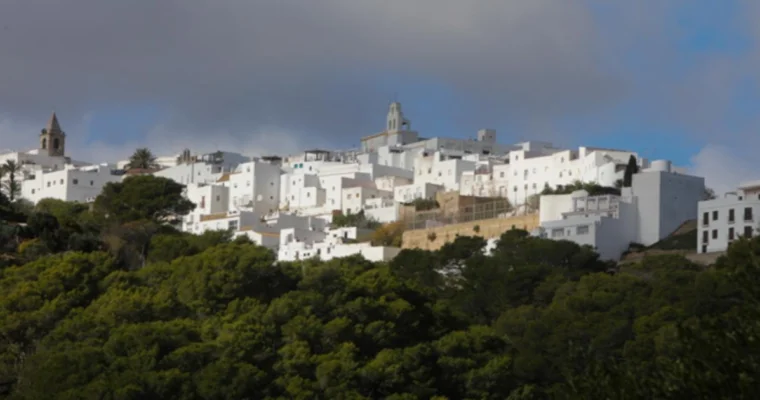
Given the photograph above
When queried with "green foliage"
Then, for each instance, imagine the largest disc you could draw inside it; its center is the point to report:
(12, 185)
(389, 234)
(142, 158)
(146, 312)
(631, 169)
(143, 197)
(681, 241)
(358, 220)
(422, 204)
(593, 189)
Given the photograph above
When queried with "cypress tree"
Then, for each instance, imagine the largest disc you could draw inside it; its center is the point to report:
(630, 169)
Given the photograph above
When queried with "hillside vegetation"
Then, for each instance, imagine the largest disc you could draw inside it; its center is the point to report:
(109, 304)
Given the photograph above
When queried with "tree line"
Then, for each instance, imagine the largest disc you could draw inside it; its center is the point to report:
(109, 302)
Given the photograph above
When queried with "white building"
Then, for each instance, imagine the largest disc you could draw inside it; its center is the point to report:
(725, 219)
(389, 146)
(298, 244)
(79, 184)
(656, 204)
(50, 156)
(397, 166)
(205, 168)
(254, 185)
(537, 165)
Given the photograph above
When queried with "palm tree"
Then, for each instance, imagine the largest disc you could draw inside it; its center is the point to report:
(142, 158)
(3, 198)
(12, 186)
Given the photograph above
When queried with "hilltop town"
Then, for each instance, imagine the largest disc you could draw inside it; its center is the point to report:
(397, 189)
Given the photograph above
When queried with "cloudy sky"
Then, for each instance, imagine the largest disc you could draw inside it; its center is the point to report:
(669, 79)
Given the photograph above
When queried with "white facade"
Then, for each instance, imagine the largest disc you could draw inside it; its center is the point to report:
(656, 204)
(606, 223)
(725, 219)
(422, 190)
(300, 245)
(254, 186)
(536, 165)
(79, 184)
(286, 202)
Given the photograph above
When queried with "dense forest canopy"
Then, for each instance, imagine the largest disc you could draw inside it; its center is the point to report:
(111, 304)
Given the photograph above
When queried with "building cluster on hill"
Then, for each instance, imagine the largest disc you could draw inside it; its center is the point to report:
(604, 198)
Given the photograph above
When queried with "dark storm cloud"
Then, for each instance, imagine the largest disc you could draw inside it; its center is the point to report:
(305, 66)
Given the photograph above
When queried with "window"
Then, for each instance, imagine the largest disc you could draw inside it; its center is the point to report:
(271, 183)
(704, 236)
(748, 214)
(232, 225)
(74, 181)
(218, 197)
(92, 183)
(715, 234)
(715, 215)
(48, 184)
(731, 215)
(704, 249)
(731, 233)
(32, 191)
(56, 144)
(705, 218)
(581, 230)
(61, 181)
(559, 232)
(501, 175)
(748, 231)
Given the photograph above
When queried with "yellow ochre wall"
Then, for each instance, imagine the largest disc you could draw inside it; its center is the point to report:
(489, 228)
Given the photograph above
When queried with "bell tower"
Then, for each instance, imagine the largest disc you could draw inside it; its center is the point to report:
(395, 120)
(53, 139)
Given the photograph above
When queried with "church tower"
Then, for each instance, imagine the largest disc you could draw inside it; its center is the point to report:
(395, 120)
(53, 139)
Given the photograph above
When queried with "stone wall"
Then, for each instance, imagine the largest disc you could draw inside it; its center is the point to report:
(488, 228)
